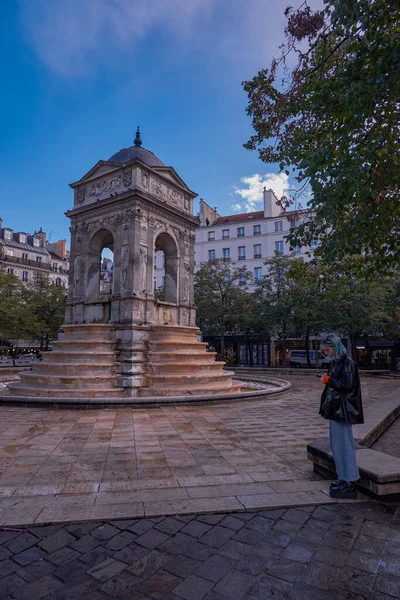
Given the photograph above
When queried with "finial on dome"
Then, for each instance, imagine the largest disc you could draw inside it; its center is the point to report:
(138, 140)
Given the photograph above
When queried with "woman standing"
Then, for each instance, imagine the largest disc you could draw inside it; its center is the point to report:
(341, 403)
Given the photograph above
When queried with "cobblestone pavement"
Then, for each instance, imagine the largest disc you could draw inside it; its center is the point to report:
(389, 442)
(332, 552)
(70, 465)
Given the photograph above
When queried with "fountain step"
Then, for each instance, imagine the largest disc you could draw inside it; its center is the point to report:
(88, 346)
(206, 380)
(161, 331)
(59, 356)
(189, 365)
(33, 379)
(189, 390)
(100, 331)
(179, 354)
(18, 389)
(75, 368)
(165, 344)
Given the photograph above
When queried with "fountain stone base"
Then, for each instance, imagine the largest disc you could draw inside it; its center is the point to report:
(112, 361)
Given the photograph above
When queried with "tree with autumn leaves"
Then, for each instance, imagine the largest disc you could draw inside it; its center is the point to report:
(327, 111)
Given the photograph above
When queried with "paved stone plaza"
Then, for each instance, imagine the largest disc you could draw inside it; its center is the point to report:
(331, 552)
(126, 489)
(71, 465)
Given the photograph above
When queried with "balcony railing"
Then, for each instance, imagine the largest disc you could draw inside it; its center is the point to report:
(17, 260)
(257, 256)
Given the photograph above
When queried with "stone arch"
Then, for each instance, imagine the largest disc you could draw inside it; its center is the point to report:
(166, 242)
(102, 238)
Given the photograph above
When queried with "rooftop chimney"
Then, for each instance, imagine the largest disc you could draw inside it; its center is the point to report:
(271, 208)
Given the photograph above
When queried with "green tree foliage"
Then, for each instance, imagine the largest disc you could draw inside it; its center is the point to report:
(359, 304)
(34, 311)
(307, 292)
(220, 289)
(250, 321)
(328, 109)
(276, 298)
(47, 303)
(17, 320)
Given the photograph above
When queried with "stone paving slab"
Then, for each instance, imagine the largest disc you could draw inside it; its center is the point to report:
(65, 465)
(326, 552)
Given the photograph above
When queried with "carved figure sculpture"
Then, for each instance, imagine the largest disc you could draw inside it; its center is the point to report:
(143, 269)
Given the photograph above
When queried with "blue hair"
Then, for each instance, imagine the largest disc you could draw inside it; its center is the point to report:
(333, 341)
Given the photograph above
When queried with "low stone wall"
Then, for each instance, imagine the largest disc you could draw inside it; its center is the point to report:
(380, 472)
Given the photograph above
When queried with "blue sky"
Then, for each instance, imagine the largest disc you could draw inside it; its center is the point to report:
(79, 76)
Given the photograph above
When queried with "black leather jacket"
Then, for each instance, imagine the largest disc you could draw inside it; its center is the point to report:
(341, 398)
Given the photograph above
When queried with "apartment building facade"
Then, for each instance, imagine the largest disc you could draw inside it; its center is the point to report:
(23, 254)
(246, 239)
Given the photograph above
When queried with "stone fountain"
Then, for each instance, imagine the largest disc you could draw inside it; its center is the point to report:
(127, 344)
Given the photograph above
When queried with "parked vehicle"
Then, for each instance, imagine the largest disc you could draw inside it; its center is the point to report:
(298, 358)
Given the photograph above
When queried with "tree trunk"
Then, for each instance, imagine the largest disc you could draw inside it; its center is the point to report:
(284, 364)
(367, 352)
(47, 342)
(250, 350)
(353, 341)
(307, 340)
(222, 345)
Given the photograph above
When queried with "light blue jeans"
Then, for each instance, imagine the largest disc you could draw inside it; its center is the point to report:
(343, 450)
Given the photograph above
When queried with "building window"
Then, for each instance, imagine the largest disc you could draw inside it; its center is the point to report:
(58, 281)
(54, 266)
(225, 234)
(256, 229)
(227, 276)
(22, 238)
(240, 231)
(10, 271)
(39, 259)
(297, 249)
(257, 250)
(8, 235)
(25, 255)
(242, 252)
(243, 280)
(314, 243)
(258, 273)
(10, 252)
(211, 255)
(211, 236)
(36, 242)
(226, 253)
(278, 225)
(24, 275)
(279, 247)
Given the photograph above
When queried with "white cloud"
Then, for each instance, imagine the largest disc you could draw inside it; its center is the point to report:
(236, 207)
(76, 37)
(252, 188)
(71, 36)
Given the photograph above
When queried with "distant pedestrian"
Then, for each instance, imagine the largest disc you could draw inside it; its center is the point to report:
(341, 403)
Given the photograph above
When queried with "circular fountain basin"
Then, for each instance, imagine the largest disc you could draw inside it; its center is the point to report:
(251, 389)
